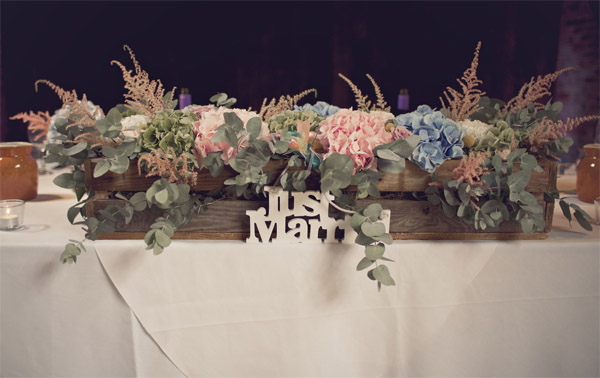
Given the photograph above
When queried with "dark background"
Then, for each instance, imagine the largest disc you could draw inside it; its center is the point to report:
(253, 50)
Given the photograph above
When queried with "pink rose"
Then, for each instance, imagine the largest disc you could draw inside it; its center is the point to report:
(355, 133)
(206, 128)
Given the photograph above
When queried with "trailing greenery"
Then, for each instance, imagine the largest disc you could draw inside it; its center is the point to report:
(372, 234)
(501, 197)
(579, 214)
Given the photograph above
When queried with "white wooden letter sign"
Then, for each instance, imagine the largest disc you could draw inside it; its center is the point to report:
(303, 222)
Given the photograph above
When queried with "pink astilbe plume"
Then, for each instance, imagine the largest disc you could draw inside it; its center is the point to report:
(173, 168)
(462, 105)
(144, 95)
(532, 91)
(287, 102)
(471, 169)
(362, 101)
(79, 114)
(38, 124)
(547, 130)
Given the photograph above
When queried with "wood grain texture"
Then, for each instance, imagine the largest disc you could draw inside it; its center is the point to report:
(227, 219)
(409, 180)
(133, 182)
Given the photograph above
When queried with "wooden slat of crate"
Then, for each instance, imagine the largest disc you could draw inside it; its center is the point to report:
(409, 180)
(227, 219)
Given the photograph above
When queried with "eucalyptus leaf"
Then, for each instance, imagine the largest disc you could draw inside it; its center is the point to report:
(232, 120)
(527, 225)
(581, 219)
(373, 229)
(390, 166)
(357, 220)
(114, 117)
(388, 155)
(374, 252)
(385, 238)
(364, 264)
(101, 168)
(254, 127)
(362, 239)
(75, 149)
(382, 274)
(64, 180)
(373, 211)
(72, 213)
(162, 239)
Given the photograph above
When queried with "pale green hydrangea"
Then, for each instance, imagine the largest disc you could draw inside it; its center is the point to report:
(288, 119)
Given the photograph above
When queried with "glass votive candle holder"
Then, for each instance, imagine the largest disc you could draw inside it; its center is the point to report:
(12, 212)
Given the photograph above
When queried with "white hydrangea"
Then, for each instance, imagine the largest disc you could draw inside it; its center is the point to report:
(63, 113)
(131, 125)
(474, 128)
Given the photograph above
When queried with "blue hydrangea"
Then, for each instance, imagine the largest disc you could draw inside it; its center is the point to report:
(321, 108)
(441, 137)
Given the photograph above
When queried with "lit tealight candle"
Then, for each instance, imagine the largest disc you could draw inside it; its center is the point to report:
(9, 221)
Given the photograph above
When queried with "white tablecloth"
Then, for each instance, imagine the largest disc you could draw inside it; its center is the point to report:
(216, 308)
(65, 321)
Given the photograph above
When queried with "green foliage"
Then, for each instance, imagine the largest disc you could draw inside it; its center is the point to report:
(253, 155)
(515, 127)
(104, 223)
(366, 182)
(502, 198)
(110, 127)
(288, 120)
(371, 234)
(391, 157)
(160, 234)
(221, 99)
(214, 163)
(490, 110)
(580, 215)
(336, 173)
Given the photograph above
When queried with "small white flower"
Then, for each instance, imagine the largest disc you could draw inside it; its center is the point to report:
(131, 125)
(474, 128)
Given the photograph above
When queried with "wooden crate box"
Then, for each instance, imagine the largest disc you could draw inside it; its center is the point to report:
(227, 219)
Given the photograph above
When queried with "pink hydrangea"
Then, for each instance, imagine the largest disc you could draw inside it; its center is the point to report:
(206, 128)
(198, 109)
(355, 133)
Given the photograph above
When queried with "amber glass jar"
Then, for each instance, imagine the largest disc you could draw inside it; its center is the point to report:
(588, 174)
(18, 171)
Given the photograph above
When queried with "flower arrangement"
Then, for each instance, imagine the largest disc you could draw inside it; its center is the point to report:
(337, 147)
